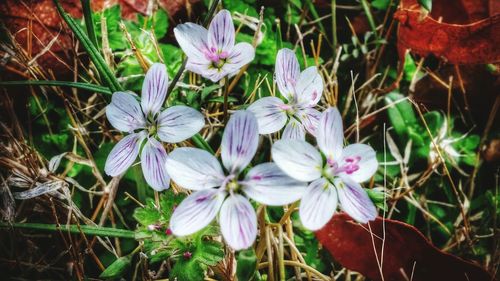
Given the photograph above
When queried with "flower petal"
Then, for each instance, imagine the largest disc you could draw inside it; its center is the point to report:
(123, 154)
(154, 89)
(153, 159)
(309, 87)
(310, 119)
(354, 200)
(205, 69)
(366, 161)
(287, 72)
(221, 32)
(124, 112)
(242, 54)
(238, 222)
(193, 168)
(294, 130)
(192, 38)
(318, 204)
(330, 134)
(298, 159)
(239, 141)
(270, 117)
(196, 211)
(267, 184)
(178, 123)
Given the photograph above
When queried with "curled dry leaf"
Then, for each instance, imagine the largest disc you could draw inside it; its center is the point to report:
(407, 254)
(468, 36)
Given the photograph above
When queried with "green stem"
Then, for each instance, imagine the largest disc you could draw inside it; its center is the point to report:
(334, 26)
(369, 16)
(76, 229)
(78, 85)
(89, 24)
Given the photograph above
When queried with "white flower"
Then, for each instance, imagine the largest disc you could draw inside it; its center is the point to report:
(334, 179)
(223, 191)
(145, 122)
(212, 53)
(302, 92)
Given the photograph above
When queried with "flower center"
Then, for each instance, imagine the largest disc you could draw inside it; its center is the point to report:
(332, 168)
(232, 186)
(217, 57)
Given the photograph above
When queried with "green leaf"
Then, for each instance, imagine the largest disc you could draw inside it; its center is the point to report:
(400, 114)
(380, 4)
(427, 4)
(117, 268)
(78, 85)
(221, 99)
(246, 265)
(147, 215)
(77, 229)
(200, 142)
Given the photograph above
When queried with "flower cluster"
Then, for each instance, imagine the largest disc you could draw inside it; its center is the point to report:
(319, 178)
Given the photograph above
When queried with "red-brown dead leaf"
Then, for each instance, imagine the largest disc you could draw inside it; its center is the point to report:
(407, 254)
(463, 32)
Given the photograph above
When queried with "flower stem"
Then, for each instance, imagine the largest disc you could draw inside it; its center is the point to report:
(226, 94)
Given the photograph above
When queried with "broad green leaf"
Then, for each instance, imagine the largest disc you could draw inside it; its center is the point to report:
(117, 268)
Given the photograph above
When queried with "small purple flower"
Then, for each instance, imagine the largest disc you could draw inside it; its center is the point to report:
(223, 192)
(335, 179)
(212, 53)
(302, 92)
(144, 121)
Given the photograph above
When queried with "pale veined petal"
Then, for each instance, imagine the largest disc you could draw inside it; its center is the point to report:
(153, 159)
(239, 141)
(123, 154)
(359, 162)
(267, 184)
(309, 87)
(269, 113)
(178, 123)
(298, 159)
(242, 54)
(354, 200)
(192, 38)
(309, 118)
(318, 204)
(330, 134)
(221, 32)
(124, 112)
(193, 168)
(238, 222)
(196, 211)
(287, 72)
(154, 89)
(294, 130)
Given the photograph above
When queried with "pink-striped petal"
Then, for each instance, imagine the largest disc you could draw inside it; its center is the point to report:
(287, 73)
(309, 87)
(123, 155)
(192, 39)
(196, 211)
(124, 112)
(330, 134)
(294, 130)
(310, 119)
(318, 204)
(221, 33)
(153, 159)
(240, 55)
(359, 162)
(154, 89)
(269, 113)
(238, 222)
(178, 123)
(267, 184)
(298, 159)
(205, 69)
(354, 200)
(239, 141)
(193, 168)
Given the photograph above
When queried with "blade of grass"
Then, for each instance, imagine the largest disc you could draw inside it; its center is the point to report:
(200, 142)
(94, 54)
(87, 229)
(78, 85)
(369, 16)
(89, 23)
